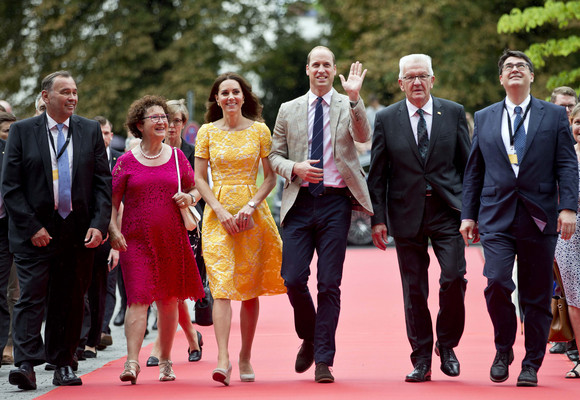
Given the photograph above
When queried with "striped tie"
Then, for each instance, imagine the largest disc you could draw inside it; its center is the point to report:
(316, 150)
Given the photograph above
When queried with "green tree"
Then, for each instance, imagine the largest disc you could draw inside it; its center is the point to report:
(119, 50)
(558, 54)
(459, 35)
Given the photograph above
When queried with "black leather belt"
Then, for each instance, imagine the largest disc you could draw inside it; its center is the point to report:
(329, 190)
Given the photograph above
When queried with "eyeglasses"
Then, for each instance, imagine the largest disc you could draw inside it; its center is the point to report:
(568, 106)
(157, 118)
(177, 121)
(520, 66)
(412, 78)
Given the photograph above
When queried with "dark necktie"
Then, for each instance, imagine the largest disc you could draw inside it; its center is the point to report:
(63, 176)
(520, 135)
(316, 149)
(422, 137)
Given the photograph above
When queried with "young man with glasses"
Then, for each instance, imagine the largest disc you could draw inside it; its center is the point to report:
(420, 148)
(520, 190)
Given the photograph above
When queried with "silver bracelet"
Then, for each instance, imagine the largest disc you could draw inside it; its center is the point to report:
(192, 199)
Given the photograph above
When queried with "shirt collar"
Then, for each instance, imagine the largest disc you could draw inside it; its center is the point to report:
(428, 107)
(52, 123)
(511, 106)
(312, 97)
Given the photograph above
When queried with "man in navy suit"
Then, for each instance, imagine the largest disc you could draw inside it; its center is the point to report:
(522, 162)
(420, 148)
(57, 193)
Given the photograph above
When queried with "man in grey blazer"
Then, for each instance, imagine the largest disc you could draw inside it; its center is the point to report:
(420, 148)
(313, 148)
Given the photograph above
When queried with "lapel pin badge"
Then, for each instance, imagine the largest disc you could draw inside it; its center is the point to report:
(439, 112)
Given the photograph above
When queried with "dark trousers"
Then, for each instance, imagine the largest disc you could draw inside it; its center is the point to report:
(111, 298)
(5, 266)
(535, 255)
(59, 275)
(320, 224)
(95, 299)
(441, 225)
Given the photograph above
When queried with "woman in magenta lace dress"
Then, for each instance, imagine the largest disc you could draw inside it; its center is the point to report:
(157, 260)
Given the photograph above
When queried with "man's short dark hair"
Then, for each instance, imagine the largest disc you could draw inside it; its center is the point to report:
(514, 53)
(103, 121)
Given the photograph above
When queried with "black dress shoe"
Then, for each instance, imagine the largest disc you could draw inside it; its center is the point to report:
(305, 357)
(152, 361)
(499, 371)
(119, 319)
(572, 355)
(89, 354)
(421, 373)
(65, 376)
(558, 348)
(322, 374)
(449, 362)
(23, 377)
(528, 377)
(195, 355)
(49, 367)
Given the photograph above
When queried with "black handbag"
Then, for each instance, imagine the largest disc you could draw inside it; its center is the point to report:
(203, 307)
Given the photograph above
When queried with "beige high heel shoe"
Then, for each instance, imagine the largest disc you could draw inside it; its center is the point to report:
(131, 372)
(166, 371)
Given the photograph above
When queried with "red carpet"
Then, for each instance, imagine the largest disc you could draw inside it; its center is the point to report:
(372, 351)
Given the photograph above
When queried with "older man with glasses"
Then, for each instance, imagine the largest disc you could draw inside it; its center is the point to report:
(420, 148)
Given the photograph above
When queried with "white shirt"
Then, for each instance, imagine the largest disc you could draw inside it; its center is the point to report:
(331, 175)
(52, 129)
(414, 117)
(505, 133)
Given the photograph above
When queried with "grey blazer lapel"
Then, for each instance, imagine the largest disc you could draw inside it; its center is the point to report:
(44, 148)
(336, 107)
(301, 111)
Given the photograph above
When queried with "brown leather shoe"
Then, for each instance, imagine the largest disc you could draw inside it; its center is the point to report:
(322, 374)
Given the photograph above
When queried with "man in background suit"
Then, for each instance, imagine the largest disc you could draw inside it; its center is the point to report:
(420, 148)
(106, 259)
(522, 162)
(58, 196)
(313, 148)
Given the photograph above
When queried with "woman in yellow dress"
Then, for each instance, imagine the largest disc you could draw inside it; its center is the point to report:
(242, 261)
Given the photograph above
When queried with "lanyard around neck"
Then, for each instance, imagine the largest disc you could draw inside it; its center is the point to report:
(64, 146)
(510, 121)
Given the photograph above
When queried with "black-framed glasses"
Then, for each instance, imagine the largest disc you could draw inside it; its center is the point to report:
(520, 66)
(157, 118)
(412, 78)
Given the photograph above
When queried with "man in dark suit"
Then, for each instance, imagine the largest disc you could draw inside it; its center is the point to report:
(106, 259)
(58, 195)
(420, 147)
(313, 149)
(522, 161)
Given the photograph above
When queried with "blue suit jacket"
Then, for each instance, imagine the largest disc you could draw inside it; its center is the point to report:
(548, 171)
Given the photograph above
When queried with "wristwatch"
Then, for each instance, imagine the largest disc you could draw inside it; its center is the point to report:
(252, 204)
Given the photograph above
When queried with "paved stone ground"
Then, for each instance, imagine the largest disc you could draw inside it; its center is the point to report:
(44, 378)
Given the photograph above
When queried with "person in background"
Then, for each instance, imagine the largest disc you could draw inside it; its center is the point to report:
(566, 97)
(39, 106)
(106, 259)
(178, 116)
(243, 262)
(5, 106)
(6, 266)
(568, 255)
(155, 269)
(314, 149)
